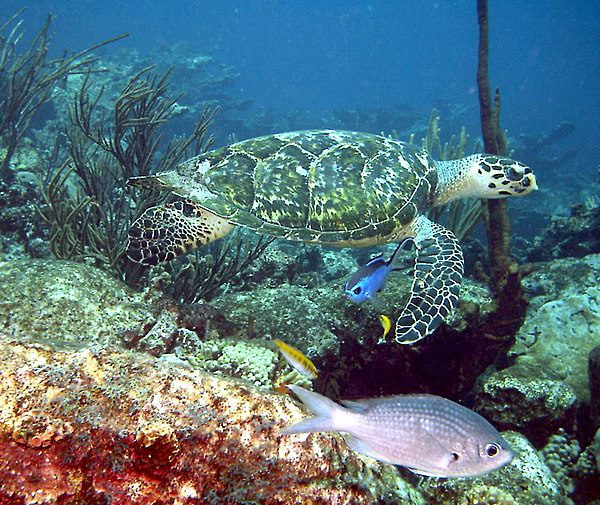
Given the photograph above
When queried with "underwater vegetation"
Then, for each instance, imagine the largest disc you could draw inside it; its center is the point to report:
(122, 382)
(28, 79)
(101, 153)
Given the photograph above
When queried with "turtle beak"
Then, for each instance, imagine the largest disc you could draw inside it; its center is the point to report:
(532, 182)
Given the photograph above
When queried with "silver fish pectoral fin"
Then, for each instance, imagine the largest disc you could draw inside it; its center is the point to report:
(431, 457)
(436, 281)
(358, 445)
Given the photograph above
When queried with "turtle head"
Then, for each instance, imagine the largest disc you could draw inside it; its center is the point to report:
(497, 177)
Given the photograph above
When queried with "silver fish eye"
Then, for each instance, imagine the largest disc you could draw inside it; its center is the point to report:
(492, 450)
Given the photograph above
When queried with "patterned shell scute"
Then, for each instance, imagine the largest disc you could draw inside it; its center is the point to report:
(335, 184)
(282, 187)
(230, 166)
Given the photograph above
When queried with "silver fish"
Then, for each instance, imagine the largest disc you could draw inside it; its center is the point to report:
(428, 434)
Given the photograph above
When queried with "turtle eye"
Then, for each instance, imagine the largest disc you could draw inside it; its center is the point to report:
(492, 450)
(357, 290)
(513, 175)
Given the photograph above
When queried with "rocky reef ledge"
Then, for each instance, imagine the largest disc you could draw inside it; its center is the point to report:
(108, 427)
(84, 420)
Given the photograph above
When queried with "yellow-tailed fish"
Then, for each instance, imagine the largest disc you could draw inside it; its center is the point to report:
(297, 359)
(386, 323)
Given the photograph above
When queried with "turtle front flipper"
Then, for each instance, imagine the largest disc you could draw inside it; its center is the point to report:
(436, 281)
(164, 232)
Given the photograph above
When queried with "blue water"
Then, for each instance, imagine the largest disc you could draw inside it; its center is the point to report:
(354, 54)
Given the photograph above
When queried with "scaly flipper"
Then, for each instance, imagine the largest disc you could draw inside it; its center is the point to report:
(436, 281)
(167, 231)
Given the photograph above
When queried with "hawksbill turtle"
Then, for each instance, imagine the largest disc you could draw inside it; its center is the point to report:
(337, 188)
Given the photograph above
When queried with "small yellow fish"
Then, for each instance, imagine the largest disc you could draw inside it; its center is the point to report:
(386, 323)
(297, 359)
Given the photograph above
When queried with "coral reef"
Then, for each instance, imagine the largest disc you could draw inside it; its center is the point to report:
(118, 425)
(27, 80)
(575, 236)
(555, 153)
(294, 303)
(561, 454)
(309, 319)
(21, 232)
(92, 220)
(200, 275)
(547, 379)
(576, 470)
(251, 361)
(563, 321)
(397, 117)
(516, 398)
(594, 378)
(108, 395)
(595, 449)
(61, 302)
(83, 427)
(305, 265)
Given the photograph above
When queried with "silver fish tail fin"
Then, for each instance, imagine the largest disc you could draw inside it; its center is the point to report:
(323, 409)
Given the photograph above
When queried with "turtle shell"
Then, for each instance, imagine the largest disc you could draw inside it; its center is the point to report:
(317, 185)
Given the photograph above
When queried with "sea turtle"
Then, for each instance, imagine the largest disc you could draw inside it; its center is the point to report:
(331, 187)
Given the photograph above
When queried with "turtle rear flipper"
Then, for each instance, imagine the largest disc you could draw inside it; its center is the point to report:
(164, 232)
(436, 281)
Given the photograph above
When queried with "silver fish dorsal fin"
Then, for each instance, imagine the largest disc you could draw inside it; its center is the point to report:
(354, 406)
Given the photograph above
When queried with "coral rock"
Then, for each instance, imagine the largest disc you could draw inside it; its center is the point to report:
(516, 398)
(563, 322)
(63, 302)
(549, 374)
(78, 427)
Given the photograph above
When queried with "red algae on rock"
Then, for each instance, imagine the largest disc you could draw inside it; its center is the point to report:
(118, 428)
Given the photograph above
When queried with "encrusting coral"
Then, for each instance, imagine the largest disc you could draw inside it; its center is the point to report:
(561, 454)
(78, 427)
(251, 361)
(54, 301)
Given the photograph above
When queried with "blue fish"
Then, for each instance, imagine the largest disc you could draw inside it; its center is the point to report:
(369, 279)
